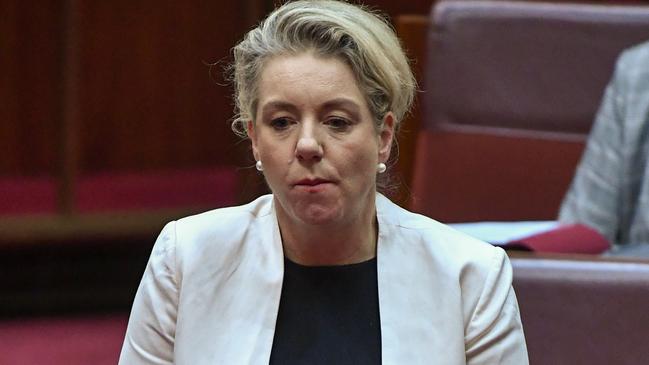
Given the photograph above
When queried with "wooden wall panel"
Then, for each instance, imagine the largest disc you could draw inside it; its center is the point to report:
(399, 7)
(30, 85)
(145, 94)
(411, 29)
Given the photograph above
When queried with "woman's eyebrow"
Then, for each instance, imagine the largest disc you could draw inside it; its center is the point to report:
(277, 105)
(345, 103)
(341, 102)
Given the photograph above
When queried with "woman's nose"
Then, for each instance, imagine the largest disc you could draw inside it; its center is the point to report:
(308, 148)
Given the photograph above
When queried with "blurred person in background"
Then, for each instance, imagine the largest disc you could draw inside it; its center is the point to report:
(610, 190)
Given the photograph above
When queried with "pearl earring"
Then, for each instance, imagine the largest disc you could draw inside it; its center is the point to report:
(380, 167)
(259, 166)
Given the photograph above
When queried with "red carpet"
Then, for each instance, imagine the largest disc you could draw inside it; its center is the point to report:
(62, 341)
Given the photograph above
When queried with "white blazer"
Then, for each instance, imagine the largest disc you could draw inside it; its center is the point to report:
(210, 293)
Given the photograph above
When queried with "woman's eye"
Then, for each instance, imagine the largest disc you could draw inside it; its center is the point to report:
(339, 124)
(280, 123)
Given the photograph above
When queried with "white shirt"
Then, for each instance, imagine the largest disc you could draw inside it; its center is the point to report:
(210, 293)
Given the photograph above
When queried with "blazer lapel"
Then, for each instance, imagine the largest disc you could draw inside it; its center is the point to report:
(417, 325)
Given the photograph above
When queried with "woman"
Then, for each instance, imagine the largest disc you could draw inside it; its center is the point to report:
(325, 270)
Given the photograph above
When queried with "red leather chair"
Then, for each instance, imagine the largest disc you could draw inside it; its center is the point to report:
(510, 92)
(583, 311)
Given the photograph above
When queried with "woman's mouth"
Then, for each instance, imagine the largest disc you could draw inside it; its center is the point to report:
(314, 185)
(311, 182)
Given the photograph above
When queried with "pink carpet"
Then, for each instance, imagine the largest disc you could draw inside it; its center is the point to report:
(62, 341)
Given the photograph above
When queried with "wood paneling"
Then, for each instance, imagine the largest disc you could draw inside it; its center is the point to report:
(146, 96)
(30, 86)
(411, 29)
(396, 7)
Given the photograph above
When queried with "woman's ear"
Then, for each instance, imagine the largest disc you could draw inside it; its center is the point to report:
(386, 136)
(252, 134)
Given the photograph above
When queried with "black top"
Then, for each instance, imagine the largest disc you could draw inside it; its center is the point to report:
(328, 315)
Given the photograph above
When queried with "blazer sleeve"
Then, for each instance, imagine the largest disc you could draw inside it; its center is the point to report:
(494, 334)
(152, 324)
(595, 192)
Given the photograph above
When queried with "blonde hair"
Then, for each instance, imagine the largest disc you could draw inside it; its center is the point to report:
(362, 38)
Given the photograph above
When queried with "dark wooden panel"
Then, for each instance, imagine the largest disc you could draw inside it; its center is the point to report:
(92, 276)
(30, 63)
(146, 96)
(399, 7)
(411, 29)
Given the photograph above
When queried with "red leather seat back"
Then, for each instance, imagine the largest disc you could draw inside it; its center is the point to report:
(524, 65)
(510, 92)
(583, 312)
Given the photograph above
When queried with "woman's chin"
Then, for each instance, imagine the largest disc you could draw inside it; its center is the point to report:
(315, 214)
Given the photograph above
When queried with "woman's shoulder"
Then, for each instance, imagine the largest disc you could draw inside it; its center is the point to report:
(225, 218)
(222, 229)
(440, 256)
(443, 243)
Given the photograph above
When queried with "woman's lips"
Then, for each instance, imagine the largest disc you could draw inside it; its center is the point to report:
(311, 182)
(312, 185)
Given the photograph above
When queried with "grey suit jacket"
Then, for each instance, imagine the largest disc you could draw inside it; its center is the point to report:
(610, 190)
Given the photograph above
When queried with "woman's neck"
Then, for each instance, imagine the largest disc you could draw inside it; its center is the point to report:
(320, 245)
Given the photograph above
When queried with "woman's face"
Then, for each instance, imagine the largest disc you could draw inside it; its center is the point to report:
(316, 138)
